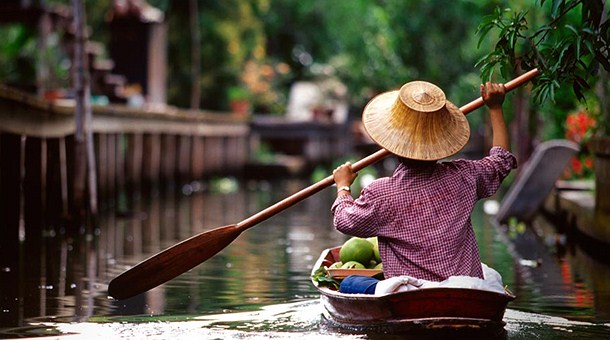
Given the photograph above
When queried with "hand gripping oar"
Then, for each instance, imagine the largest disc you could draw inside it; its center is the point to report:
(185, 255)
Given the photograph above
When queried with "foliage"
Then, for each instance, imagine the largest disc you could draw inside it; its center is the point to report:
(231, 35)
(580, 167)
(56, 61)
(238, 93)
(371, 46)
(324, 279)
(264, 154)
(569, 48)
(224, 185)
(264, 83)
(375, 46)
(17, 48)
(22, 54)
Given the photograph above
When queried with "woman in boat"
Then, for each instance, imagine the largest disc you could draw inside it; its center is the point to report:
(421, 214)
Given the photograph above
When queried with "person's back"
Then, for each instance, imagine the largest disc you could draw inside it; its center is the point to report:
(421, 214)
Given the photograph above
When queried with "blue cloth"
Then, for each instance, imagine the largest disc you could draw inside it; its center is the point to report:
(357, 284)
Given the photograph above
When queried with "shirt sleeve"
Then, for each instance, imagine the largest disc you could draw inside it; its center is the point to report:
(492, 170)
(355, 217)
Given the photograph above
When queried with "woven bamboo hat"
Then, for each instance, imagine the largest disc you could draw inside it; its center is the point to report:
(416, 122)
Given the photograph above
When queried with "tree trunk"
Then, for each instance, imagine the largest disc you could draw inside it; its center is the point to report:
(195, 54)
(522, 127)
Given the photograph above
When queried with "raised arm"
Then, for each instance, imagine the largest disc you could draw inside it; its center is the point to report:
(493, 97)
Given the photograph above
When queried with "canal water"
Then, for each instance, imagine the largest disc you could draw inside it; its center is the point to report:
(259, 287)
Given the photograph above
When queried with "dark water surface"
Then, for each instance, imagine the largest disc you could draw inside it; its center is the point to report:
(258, 287)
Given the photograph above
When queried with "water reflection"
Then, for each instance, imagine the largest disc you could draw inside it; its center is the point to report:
(268, 264)
(55, 278)
(557, 275)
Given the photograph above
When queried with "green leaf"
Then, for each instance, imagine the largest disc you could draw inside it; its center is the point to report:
(571, 28)
(322, 277)
(582, 82)
(483, 32)
(588, 31)
(555, 8)
(590, 46)
(577, 91)
(603, 60)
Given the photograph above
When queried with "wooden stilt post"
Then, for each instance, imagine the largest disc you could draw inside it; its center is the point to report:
(121, 159)
(184, 165)
(32, 219)
(10, 182)
(197, 158)
(134, 163)
(43, 181)
(52, 197)
(213, 154)
(9, 230)
(33, 185)
(104, 164)
(169, 158)
(21, 181)
(151, 162)
(111, 182)
(63, 170)
(84, 157)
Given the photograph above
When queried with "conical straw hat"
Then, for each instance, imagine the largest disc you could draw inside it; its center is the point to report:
(416, 122)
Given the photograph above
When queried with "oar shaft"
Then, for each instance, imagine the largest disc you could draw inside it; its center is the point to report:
(307, 192)
(511, 85)
(363, 163)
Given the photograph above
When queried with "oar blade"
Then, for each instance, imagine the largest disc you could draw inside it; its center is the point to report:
(172, 262)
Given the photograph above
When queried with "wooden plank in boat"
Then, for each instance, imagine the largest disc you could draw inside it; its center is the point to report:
(341, 273)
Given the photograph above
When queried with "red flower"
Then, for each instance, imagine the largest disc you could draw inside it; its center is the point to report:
(588, 162)
(578, 125)
(576, 166)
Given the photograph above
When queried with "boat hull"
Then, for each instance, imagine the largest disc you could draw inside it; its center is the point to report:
(430, 308)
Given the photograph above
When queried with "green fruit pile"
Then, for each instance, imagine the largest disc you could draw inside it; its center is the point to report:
(359, 253)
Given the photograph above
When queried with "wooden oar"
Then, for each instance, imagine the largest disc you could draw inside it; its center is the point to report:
(185, 255)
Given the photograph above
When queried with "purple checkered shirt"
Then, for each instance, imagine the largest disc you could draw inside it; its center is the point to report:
(421, 216)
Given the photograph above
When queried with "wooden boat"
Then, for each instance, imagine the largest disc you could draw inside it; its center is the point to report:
(424, 309)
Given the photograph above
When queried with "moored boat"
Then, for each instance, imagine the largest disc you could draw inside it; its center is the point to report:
(421, 309)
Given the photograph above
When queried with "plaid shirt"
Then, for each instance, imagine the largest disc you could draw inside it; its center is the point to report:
(421, 216)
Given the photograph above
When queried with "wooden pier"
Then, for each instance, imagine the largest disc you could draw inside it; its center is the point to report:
(299, 146)
(134, 148)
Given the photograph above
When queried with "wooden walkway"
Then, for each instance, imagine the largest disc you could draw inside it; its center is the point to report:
(134, 148)
(572, 205)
